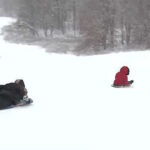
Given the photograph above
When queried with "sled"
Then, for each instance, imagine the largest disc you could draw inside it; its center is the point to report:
(114, 86)
(21, 104)
(25, 102)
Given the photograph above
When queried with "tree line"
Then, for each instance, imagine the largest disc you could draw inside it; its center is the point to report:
(101, 23)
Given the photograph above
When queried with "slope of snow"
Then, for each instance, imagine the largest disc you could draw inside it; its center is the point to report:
(75, 107)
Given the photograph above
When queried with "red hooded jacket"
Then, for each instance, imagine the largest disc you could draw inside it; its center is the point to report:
(121, 78)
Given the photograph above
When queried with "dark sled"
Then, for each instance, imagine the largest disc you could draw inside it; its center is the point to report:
(114, 86)
(21, 104)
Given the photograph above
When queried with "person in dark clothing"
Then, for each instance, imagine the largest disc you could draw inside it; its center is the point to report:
(13, 94)
(121, 78)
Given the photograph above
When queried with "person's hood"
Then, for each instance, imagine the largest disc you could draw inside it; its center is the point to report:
(124, 70)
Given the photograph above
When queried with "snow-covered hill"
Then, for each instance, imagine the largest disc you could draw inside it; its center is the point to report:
(75, 107)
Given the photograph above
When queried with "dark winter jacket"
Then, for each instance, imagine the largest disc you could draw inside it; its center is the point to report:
(11, 94)
(121, 78)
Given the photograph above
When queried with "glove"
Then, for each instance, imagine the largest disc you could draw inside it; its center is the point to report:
(131, 81)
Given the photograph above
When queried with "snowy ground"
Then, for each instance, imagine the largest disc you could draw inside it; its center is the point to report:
(75, 107)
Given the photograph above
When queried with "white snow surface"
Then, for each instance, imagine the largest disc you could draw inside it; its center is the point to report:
(75, 107)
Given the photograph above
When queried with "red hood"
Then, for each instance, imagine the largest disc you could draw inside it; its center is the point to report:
(124, 70)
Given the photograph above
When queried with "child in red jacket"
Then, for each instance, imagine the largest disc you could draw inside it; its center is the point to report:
(121, 78)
